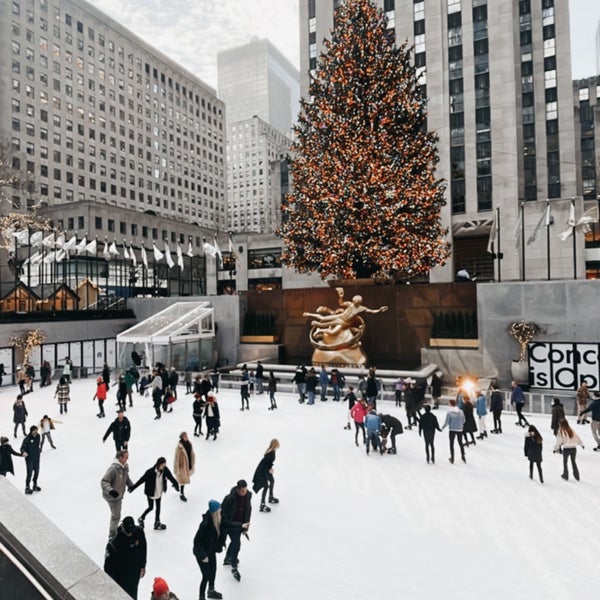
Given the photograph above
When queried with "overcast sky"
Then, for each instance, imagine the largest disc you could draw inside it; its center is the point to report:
(191, 32)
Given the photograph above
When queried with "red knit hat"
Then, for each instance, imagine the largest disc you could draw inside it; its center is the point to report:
(160, 586)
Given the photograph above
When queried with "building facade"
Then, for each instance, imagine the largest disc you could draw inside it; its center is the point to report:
(497, 78)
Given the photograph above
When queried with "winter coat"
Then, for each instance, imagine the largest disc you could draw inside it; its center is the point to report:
(197, 407)
(517, 396)
(391, 425)
(358, 412)
(351, 398)
(129, 380)
(481, 406)
(31, 446)
(208, 540)
(261, 474)
(323, 378)
(149, 481)
(63, 393)
(19, 412)
(272, 385)
(311, 382)
(125, 557)
(101, 391)
(299, 376)
(436, 386)
(496, 402)
(533, 449)
(173, 379)
(116, 478)
(428, 423)
(228, 509)
(205, 387)
(212, 416)
(410, 399)
(6, 462)
(371, 387)
(562, 441)
(122, 389)
(558, 413)
(455, 419)
(594, 408)
(470, 426)
(372, 423)
(121, 430)
(181, 464)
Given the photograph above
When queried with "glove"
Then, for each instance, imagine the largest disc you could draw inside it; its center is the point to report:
(113, 494)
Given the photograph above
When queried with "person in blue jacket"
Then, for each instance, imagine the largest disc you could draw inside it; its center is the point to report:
(594, 408)
(481, 409)
(373, 428)
(517, 397)
(455, 420)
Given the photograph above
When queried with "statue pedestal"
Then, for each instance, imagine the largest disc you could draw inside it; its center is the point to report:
(346, 356)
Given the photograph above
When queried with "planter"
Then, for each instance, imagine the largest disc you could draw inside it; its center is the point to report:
(520, 371)
(259, 339)
(453, 343)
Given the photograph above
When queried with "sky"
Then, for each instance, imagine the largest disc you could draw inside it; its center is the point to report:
(347, 525)
(191, 32)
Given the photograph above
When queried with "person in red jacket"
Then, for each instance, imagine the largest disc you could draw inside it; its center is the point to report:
(100, 395)
(358, 414)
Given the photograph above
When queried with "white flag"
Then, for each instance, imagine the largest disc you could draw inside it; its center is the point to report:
(132, 256)
(92, 247)
(517, 231)
(566, 233)
(179, 256)
(493, 235)
(218, 251)
(60, 241)
(544, 221)
(106, 251)
(22, 237)
(36, 238)
(125, 253)
(210, 249)
(158, 255)
(238, 260)
(70, 244)
(589, 216)
(80, 248)
(50, 257)
(190, 251)
(60, 255)
(48, 241)
(144, 257)
(168, 256)
(113, 249)
(35, 259)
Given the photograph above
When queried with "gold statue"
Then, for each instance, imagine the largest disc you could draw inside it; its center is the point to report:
(336, 334)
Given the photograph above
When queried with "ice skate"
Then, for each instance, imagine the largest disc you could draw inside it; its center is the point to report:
(264, 508)
(214, 594)
(159, 526)
(236, 575)
(273, 500)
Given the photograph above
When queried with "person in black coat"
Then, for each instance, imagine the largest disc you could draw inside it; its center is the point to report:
(209, 539)
(390, 426)
(428, 425)
(121, 431)
(149, 479)
(496, 406)
(6, 454)
(125, 556)
(470, 426)
(173, 381)
(236, 510)
(122, 393)
(30, 449)
(410, 402)
(436, 388)
(533, 451)
(558, 413)
(263, 476)
(19, 414)
(300, 380)
(197, 412)
(205, 387)
(106, 375)
(212, 416)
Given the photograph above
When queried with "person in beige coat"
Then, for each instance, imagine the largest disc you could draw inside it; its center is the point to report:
(184, 463)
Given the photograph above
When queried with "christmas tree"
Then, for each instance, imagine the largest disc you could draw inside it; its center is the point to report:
(365, 198)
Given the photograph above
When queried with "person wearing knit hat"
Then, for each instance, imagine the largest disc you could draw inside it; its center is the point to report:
(209, 539)
(160, 590)
(237, 509)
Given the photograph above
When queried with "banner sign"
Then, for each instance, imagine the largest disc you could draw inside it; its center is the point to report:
(564, 366)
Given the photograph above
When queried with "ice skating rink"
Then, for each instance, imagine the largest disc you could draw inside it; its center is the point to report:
(348, 526)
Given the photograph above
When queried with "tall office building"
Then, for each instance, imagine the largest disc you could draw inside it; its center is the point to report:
(497, 77)
(261, 92)
(103, 119)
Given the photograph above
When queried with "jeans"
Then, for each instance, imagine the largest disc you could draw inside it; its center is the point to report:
(572, 454)
(302, 390)
(151, 502)
(519, 408)
(336, 392)
(259, 385)
(373, 440)
(360, 427)
(209, 572)
(429, 447)
(458, 435)
(33, 470)
(233, 549)
(311, 397)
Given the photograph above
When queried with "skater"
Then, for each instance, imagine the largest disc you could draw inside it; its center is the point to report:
(518, 399)
(113, 484)
(30, 449)
(6, 454)
(68, 369)
(62, 395)
(157, 392)
(46, 426)
(244, 388)
(236, 512)
(470, 427)
(263, 476)
(410, 402)
(213, 417)
(323, 380)
(205, 387)
(184, 463)
(372, 388)
(272, 387)
(161, 591)
(455, 420)
(336, 384)
(390, 426)
(21, 380)
(594, 408)
(209, 539)
(358, 414)
(130, 381)
(351, 399)
(583, 398)
(215, 376)
(481, 409)
(251, 382)
(428, 425)
(122, 393)
(558, 413)
(167, 400)
(187, 379)
(121, 431)
(310, 385)
(173, 381)
(496, 406)
(259, 378)
(436, 388)
(533, 451)
(125, 556)
(300, 380)
(197, 412)
(373, 428)
(155, 484)
(106, 375)
(19, 414)
(100, 395)
(398, 391)
(567, 441)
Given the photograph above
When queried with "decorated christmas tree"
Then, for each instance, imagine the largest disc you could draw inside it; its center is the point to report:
(365, 198)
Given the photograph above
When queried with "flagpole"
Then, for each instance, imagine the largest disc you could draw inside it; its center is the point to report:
(499, 253)
(574, 245)
(548, 239)
(522, 209)
(28, 261)
(189, 242)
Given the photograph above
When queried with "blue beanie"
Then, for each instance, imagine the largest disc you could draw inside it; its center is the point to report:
(213, 506)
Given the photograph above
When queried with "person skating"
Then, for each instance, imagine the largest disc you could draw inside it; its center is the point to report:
(470, 426)
(197, 412)
(68, 369)
(161, 591)
(121, 431)
(206, 387)
(496, 406)
(272, 388)
(173, 381)
(517, 397)
(436, 388)
(212, 416)
(558, 413)
(6, 454)
(100, 396)
(122, 393)
(300, 380)
(594, 409)
(566, 442)
(583, 398)
(106, 375)
(533, 451)
(259, 377)
(455, 420)
(215, 376)
(350, 397)
(323, 381)
(263, 476)
(114, 483)
(63, 395)
(19, 414)
(390, 427)
(30, 449)
(373, 428)
(428, 425)
(155, 485)
(157, 392)
(410, 402)
(236, 510)
(208, 541)
(130, 381)
(310, 385)
(46, 427)
(184, 463)
(245, 388)
(481, 410)
(125, 556)
(399, 391)
(358, 414)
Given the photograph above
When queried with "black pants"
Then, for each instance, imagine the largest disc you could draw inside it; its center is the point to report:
(519, 407)
(429, 447)
(497, 420)
(151, 502)
(209, 572)
(156, 399)
(33, 470)
(22, 426)
(359, 427)
(539, 468)
(269, 487)
(233, 549)
(198, 425)
(458, 435)
(566, 454)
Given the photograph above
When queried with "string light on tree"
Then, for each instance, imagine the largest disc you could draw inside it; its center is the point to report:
(28, 342)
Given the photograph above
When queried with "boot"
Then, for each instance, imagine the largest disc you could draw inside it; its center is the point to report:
(214, 594)
(237, 577)
(182, 497)
(273, 500)
(159, 526)
(264, 508)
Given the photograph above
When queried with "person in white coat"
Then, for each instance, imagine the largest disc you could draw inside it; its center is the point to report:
(567, 441)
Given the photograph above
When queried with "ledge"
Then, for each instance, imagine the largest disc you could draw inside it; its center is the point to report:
(452, 343)
(259, 339)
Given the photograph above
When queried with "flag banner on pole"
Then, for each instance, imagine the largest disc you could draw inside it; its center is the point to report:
(544, 221)
(125, 252)
(48, 241)
(179, 256)
(50, 257)
(114, 251)
(144, 257)
(34, 259)
(106, 251)
(132, 256)
(517, 231)
(36, 238)
(60, 241)
(92, 247)
(218, 251)
(566, 233)
(588, 217)
(60, 255)
(168, 256)
(80, 248)
(70, 244)
(22, 237)
(238, 260)
(158, 255)
(190, 251)
(210, 249)
(491, 238)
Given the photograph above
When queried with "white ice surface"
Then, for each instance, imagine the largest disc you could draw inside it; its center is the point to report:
(349, 525)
